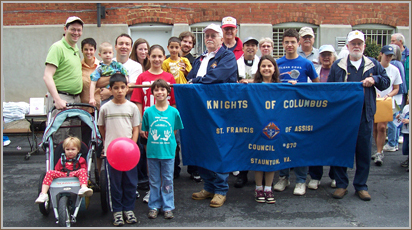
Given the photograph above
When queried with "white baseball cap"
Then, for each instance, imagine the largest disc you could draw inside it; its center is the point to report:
(229, 22)
(356, 34)
(215, 28)
(72, 19)
(326, 48)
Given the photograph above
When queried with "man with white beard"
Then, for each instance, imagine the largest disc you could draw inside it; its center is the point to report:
(357, 68)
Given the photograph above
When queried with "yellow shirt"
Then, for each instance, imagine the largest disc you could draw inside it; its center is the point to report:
(172, 67)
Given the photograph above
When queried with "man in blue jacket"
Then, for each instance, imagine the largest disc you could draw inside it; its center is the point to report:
(358, 68)
(216, 65)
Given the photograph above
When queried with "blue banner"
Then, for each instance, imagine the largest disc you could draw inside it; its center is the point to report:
(268, 127)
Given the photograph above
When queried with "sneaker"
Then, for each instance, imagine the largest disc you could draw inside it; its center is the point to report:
(137, 194)
(235, 173)
(153, 213)
(118, 219)
(6, 143)
(168, 214)
(146, 198)
(203, 194)
(269, 197)
(379, 159)
(259, 196)
(300, 189)
(85, 191)
(130, 217)
(196, 177)
(373, 156)
(43, 197)
(400, 140)
(282, 184)
(405, 164)
(333, 184)
(314, 184)
(388, 148)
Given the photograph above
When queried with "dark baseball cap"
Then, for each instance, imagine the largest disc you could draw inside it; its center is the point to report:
(387, 50)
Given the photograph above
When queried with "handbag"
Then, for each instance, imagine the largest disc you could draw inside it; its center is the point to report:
(384, 111)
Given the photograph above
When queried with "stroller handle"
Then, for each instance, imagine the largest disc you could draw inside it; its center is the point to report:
(75, 104)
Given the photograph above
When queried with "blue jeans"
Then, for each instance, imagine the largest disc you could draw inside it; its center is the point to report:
(214, 182)
(393, 132)
(300, 173)
(316, 172)
(161, 183)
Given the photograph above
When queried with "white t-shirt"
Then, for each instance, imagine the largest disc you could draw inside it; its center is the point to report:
(395, 76)
(134, 69)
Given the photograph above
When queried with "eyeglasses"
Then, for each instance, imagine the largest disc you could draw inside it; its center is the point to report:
(213, 36)
(73, 30)
(229, 28)
(326, 54)
(356, 43)
(307, 37)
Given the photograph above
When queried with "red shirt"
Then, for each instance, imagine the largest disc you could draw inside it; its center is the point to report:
(144, 95)
(69, 165)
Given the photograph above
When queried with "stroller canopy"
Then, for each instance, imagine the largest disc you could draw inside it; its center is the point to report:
(61, 116)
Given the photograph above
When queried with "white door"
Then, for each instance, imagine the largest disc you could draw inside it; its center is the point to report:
(153, 33)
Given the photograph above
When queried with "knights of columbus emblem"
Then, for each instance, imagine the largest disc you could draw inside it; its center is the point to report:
(271, 130)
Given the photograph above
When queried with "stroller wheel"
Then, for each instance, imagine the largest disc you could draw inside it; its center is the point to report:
(44, 207)
(103, 191)
(64, 213)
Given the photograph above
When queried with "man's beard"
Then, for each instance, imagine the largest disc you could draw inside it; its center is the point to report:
(356, 55)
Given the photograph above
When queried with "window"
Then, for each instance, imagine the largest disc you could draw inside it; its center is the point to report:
(200, 41)
(380, 34)
(278, 30)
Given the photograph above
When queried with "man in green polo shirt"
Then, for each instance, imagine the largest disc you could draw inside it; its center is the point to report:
(63, 72)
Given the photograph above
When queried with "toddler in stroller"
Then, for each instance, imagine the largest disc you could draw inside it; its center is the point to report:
(70, 164)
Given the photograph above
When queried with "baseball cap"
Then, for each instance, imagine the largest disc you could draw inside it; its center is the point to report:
(215, 28)
(387, 50)
(250, 39)
(229, 22)
(326, 48)
(306, 31)
(356, 34)
(72, 19)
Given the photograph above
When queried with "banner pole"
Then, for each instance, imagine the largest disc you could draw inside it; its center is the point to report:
(143, 86)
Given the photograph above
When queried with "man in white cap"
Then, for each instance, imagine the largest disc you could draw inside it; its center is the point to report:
(358, 68)
(230, 41)
(216, 65)
(63, 72)
(306, 49)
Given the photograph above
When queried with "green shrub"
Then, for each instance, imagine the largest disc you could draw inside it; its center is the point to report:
(372, 48)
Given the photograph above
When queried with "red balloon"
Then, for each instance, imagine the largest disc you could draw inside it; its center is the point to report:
(123, 154)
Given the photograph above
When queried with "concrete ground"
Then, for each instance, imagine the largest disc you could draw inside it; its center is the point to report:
(389, 186)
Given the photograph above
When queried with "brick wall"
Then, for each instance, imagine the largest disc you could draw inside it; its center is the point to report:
(392, 14)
